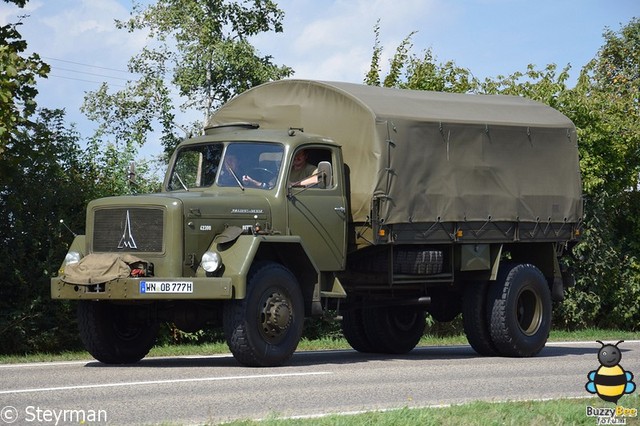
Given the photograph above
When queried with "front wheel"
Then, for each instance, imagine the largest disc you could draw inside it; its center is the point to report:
(519, 306)
(115, 334)
(264, 328)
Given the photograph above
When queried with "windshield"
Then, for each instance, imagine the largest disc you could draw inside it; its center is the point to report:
(245, 164)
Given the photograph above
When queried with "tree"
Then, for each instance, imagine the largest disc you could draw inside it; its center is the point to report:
(604, 105)
(410, 71)
(198, 50)
(610, 113)
(17, 82)
(42, 180)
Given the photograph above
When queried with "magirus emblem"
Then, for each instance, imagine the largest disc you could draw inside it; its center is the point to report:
(127, 241)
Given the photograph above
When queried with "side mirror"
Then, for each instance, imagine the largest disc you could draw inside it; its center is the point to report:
(325, 174)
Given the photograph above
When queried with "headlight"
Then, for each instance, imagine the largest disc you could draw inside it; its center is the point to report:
(211, 261)
(72, 257)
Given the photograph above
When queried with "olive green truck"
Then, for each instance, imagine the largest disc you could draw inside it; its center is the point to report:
(418, 202)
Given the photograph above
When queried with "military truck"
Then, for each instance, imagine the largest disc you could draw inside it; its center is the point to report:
(417, 202)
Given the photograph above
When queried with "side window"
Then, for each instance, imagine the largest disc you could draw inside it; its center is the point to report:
(312, 168)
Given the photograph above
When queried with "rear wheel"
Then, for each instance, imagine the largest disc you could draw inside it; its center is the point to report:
(394, 329)
(354, 331)
(264, 328)
(520, 310)
(114, 334)
(476, 319)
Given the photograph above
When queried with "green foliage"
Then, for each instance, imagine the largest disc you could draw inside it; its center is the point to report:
(373, 76)
(608, 113)
(424, 74)
(17, 82)
(326, 327)
(197, 48)
(409, 71)
(41, 181)
(397, 62)
(605, 275)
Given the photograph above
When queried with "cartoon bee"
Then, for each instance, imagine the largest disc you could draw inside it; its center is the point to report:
(610, 381)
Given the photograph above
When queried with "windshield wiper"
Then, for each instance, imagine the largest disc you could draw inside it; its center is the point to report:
(236, 178)
(181, 182)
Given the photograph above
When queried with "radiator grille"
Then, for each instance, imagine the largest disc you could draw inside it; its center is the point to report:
(128, 230)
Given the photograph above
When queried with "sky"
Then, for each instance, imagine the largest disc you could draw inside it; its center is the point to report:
(327, 39)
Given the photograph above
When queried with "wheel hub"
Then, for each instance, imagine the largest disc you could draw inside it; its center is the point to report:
(529, 312)
(275, 317)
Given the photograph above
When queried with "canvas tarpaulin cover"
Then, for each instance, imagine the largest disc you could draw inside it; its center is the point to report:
(97, 268)
(432, 156)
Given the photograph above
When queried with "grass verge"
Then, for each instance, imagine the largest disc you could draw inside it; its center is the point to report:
(554, 412)
(314, 345)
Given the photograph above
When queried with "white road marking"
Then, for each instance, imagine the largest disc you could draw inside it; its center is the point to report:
(44, 364)
(161, 382)
(88, 361)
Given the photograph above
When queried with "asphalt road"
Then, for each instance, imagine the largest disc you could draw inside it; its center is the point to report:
(193, 390)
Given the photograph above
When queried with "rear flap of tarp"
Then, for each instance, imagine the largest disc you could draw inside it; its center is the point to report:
(432, 156)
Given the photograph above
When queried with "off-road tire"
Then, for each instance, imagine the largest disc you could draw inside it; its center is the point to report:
(475, 317)
(264, 328)
(416, 261)
(111, 336)
(353, 330)
(520, 310)
(394, 329)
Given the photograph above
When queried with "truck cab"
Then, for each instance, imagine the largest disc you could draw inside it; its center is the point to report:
(229, 207)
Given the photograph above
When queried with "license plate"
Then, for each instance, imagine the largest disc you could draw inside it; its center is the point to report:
(166, 287)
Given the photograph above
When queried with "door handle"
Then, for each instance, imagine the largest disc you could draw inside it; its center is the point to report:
(339, 209)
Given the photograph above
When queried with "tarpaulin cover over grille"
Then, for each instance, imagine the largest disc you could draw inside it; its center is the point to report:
(432, 156)
(97, 268)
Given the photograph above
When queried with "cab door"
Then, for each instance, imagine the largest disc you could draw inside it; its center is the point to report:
(319, 215)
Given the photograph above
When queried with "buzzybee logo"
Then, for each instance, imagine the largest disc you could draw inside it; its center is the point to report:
(610, 382)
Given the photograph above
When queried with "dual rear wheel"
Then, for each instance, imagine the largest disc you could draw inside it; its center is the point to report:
(510, 316)
(385, 329)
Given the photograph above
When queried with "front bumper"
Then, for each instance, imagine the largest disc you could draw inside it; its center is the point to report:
(134, 289)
